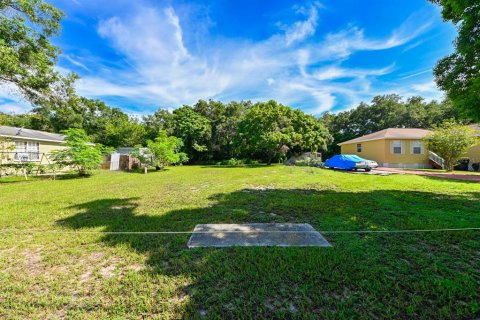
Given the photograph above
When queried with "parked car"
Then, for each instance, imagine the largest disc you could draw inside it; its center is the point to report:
(350, 162)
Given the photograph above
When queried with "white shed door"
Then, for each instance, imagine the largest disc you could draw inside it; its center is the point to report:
(115, 161)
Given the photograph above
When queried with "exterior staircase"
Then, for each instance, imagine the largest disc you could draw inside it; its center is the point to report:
(435, 160)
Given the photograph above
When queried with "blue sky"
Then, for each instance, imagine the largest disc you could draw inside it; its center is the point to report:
(318, 56)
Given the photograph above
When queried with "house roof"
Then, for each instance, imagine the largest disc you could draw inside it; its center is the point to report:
(29, 134)
(391, 133)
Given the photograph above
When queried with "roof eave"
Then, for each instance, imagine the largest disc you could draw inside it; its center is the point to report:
(32, 139)
(352, 141)
(383, 138)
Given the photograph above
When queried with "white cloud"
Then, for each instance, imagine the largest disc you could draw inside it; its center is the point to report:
(429, 86)
(335, 72)
(415, 74)
(302, 29)
(11, 101)
(75, 62)
(283, 67)
(15, 108)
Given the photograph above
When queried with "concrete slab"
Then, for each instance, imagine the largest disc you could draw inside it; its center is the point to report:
(256, 234)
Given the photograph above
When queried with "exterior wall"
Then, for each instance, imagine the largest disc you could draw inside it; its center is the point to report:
(47, 147)
(381, 151)
(373, 150)
(407, 159)
(44, 147)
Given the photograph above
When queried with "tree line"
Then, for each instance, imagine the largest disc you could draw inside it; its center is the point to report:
(210, 131)
(213, 131)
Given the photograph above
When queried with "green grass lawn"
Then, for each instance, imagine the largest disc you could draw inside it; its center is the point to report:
(95, 275)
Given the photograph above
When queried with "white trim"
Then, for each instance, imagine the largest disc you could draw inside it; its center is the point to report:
(374, 139)
(402, 147)
(350, 142)
(412, 147)
(406, 165)
(31, 139)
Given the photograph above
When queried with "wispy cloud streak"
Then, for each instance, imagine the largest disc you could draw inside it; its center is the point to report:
(285, 66)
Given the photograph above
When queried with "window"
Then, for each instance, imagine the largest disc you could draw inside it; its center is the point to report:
(416, 147)
(32, 150)
(397, 147)
(26, 151)
(359, 147)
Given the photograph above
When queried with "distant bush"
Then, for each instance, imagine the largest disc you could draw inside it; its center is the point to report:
(309, 162)
(41, 168)
(231, 162)
(237, 162)
(252, 162)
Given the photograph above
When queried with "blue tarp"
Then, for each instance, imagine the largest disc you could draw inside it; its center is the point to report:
(344, 161)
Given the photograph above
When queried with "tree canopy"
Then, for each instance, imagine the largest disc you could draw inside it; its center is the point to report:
(458, 74)
(27, 57)
(270, 130)
(161, 152)
(80, 153)
(450, 141)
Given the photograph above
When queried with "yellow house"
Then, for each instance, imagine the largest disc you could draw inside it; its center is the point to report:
(19, 145)
(474, 153)
(398, 148)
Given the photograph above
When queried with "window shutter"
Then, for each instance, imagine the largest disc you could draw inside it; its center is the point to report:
(402, 143)
(391, 147)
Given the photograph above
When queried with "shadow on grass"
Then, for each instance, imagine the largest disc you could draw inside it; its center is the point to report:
(359, 277)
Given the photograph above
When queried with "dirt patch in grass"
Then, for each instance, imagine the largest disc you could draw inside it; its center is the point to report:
(33, 261)
(108, 271)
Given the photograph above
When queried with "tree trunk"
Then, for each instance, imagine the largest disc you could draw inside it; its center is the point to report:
(145, 169)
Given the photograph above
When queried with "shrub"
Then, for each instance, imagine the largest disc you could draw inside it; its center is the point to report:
(450, 141)
(252, 162)
(80, 153)
(29, 168)
(231, 162)
(163, 151)
(42, 168)
(309, 162)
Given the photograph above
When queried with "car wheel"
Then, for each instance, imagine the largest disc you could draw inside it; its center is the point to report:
(368, 169)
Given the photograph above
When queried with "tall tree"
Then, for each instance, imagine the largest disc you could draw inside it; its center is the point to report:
(160, 120)
(458, 74)
(269, 130)
(194, 129)
(27, 57)
(450, 141)
(124, 131)
(16, 120)
(224, 119)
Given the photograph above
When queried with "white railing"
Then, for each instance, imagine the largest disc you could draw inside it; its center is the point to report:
(21, 156)
(436, 158)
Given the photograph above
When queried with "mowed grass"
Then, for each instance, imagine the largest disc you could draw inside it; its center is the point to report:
(94, 275)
